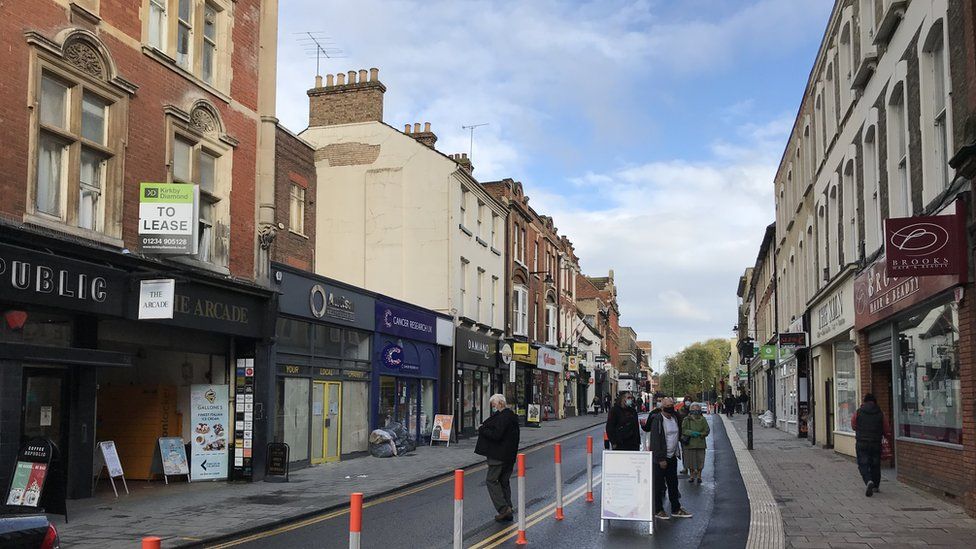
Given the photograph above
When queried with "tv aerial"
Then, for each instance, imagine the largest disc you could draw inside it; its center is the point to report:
(317, 45)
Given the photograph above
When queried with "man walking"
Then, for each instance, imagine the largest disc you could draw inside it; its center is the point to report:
(664, 447)
(498, 440)
(870, 426)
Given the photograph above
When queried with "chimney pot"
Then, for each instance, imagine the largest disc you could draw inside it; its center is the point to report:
(426, 126)
(416, 127)
(341, 79)
(464, 156)
(406, 128)
(329, 80)
(318, 80)
(374, 74)
(352, 77)
(342, 102)
(362, 76)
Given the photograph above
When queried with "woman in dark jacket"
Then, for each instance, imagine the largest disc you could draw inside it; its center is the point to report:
(623, 429)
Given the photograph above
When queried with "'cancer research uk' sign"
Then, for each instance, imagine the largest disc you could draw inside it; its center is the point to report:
(168, 218)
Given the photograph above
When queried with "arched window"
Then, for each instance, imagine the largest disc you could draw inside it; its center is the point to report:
(872, 192)
(899, 179)
(936, 117)
(851, 238)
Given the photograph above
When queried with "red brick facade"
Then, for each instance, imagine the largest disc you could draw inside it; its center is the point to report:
(294, 166)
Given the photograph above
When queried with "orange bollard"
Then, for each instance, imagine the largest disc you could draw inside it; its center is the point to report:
(589, 469)
(559, 481)
(458, 508)
(521, 501)
(151, 542)
(355, 519)
(606, 441)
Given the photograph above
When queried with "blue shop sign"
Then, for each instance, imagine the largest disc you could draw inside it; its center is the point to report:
(399, 357)
(404, 322)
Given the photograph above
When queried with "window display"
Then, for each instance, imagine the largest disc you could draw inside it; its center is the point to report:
(928, 373)
(845, 385)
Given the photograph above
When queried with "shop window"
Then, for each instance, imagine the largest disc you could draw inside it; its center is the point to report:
(927, 346)
(463, 286)
(293, 335)
(494, 230)
(481, 217)
(209, 53)
(356, 346)
(872, 196)
(296, 210)
(292, 416)
(935, 112)
(201, 154)
(845, 385)
(494, 300)
(481, 293)
(328, 341)
(551, 323)
(464, 207)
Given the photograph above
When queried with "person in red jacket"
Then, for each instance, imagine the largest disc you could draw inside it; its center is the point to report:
(870, 427)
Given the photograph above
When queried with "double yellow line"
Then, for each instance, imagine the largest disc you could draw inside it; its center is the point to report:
(501, 537)
(449, 477)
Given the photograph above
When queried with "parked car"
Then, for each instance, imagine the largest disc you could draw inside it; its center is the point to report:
(28, 532)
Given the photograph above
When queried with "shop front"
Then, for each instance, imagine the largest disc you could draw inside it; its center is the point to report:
(833, 364)
(406, 363)
(548, 383)
(323, 365)
(479, 377)
(520, 393)
(911, 329)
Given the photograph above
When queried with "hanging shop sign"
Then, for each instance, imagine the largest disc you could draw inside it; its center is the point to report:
(573, 363)
(927, 246)
(168, 218)
(833, 315)
(520, 348)
(156, 298)
(208, 444)
(30, 473)
(550, 360)
(475, 348)
(767, 352)
(319, 299)
(27, 276)
(506, 353)
(405, 322)
(530, 356)
(878, 296)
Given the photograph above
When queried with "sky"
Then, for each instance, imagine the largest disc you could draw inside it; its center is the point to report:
(649, 130)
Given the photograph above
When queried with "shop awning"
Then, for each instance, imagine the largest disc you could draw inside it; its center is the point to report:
(74, 356)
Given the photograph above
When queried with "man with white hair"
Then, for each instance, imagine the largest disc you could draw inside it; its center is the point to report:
(665, 429)
(498, 440)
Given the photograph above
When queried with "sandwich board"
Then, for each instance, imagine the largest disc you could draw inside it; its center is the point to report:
(627, 488)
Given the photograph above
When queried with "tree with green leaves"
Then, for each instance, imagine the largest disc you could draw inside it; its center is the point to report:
(696, 369)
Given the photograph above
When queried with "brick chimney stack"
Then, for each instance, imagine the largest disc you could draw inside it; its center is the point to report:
(425, 136)
(463, 161)
(360, 99)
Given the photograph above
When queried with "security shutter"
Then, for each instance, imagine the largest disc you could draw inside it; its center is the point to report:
(880, 342)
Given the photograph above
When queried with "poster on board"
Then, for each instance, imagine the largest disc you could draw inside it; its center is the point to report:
(173, 456)
(210, 412)
(534, 415)
(627, 487)
(443, 424)
(110, 456)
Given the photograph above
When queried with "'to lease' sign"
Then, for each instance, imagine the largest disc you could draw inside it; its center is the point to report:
(167, 218)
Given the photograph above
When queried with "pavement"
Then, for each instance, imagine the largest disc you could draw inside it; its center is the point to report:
(821, 499)
(198, 514)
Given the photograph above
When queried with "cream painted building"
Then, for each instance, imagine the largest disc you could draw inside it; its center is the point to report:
(398, 217)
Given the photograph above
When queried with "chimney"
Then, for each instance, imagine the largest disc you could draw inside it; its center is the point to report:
(346, 98)
(463, 161)
(425, 136)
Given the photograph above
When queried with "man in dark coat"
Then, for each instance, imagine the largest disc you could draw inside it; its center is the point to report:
(870, 426)
(498, 440)
(664, 442)
(623, 428)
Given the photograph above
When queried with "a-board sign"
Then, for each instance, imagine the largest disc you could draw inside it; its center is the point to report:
(443, 424)
(30, 472)
(628, 482)
(111, 458)
(277, 464)
(209, 416)
(173, 456)
(533, 415)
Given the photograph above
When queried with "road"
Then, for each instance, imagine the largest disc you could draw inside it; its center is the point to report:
(422, 516)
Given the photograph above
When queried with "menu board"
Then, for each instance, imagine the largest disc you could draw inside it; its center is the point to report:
(26, 486)
(111, 457)
(627, 486)
(173, 456)
(208, 439)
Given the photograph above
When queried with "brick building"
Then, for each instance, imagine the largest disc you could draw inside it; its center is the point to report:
(597, 302)
(98, 97)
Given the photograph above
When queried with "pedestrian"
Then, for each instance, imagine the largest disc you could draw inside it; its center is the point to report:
(623, 428)
(694, 429)
(682, 411)
(606, 402)
(665, 449)
(730, 406)
(596, 405)
(870, 426)
(498, 441)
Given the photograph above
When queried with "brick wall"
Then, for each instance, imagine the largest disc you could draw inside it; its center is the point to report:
(346, 102)
(348, 154)
(294, 165)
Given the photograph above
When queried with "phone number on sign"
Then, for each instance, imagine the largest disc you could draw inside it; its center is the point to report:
(163, 241)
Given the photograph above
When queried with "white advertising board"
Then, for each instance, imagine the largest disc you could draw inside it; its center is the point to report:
(628, 483)
(208, 444)
(111, 457)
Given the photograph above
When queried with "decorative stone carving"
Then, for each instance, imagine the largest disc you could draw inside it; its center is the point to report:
(266, 236)
(85, 58)
(203, 121)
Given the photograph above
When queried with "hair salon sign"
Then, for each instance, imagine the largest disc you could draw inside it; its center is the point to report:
(926, 246)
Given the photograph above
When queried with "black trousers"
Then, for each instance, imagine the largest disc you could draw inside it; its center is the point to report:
(666, 480)
(499, 484)
(869, 462)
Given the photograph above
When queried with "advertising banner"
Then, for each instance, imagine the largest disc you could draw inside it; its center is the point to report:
(627, 487)
(244, 419)
(408, 323)
(550, 360)
(443, 423)
(168, 218)
(208, 445)
(926, 246)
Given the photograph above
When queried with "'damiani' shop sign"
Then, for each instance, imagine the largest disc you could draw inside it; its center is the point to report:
(168, 218)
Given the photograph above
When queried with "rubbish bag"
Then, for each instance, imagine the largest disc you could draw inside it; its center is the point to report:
(404, 444)
(382, 444)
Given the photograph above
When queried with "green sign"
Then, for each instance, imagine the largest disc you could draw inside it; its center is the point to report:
(168, 218)
(767, 352)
